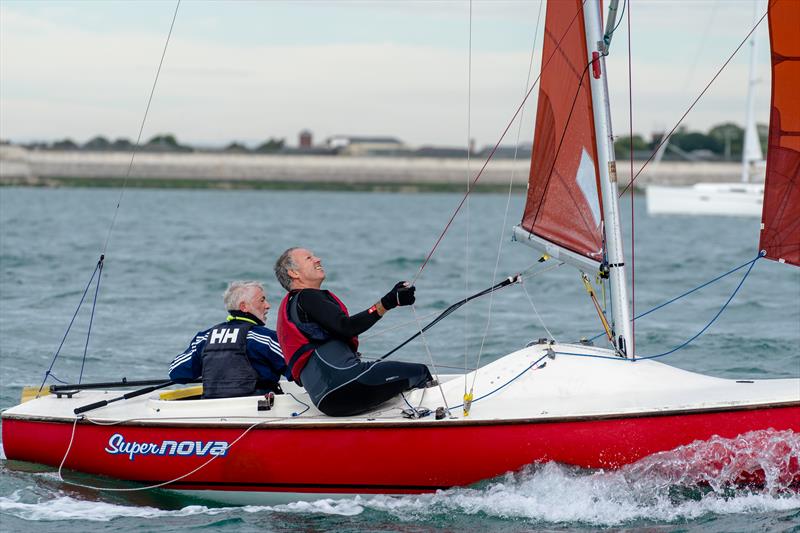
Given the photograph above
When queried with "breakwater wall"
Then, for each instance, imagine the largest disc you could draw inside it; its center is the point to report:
(19, 166)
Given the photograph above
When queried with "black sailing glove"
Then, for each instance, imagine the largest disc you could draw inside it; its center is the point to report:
(401, 294)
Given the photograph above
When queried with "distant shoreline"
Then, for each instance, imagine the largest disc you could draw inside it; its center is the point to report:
(35, 168)
(168, 183)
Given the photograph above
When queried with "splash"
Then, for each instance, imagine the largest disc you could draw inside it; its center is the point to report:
(757, 472)
(765, 461)
(62, 507)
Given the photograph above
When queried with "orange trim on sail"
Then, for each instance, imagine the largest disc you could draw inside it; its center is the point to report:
(780, 233)
(564, 200)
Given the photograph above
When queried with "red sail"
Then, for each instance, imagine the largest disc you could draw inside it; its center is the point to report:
(780, 221)
(564, 200)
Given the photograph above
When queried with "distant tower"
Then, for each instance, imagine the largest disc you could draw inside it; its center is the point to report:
(305, 139)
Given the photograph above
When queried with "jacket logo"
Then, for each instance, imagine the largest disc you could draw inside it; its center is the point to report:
(223, 335)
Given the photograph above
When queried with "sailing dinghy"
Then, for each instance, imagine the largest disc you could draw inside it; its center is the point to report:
(577, 404)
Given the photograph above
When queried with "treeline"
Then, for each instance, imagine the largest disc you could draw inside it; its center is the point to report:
(158, 143)
(722, 142)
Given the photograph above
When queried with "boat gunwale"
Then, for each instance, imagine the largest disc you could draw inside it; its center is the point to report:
(366, 423)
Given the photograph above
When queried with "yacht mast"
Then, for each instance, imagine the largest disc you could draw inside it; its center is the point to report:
(751, 149)
(608, 171)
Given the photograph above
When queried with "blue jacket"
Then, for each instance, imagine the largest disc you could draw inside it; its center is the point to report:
(263, 352)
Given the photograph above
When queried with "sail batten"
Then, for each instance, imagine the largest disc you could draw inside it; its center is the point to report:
(780, 233)
(564, 203)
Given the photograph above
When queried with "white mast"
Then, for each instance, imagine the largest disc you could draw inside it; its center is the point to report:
(751, 150)
(608, 175)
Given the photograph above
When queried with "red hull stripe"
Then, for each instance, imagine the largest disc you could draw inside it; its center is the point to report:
(302, 459)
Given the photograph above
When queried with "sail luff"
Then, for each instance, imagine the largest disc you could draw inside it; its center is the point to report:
(780, 220)
(608, 177)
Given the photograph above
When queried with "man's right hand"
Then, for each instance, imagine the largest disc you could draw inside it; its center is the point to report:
(401, 294)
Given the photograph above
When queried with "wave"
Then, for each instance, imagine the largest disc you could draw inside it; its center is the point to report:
(758, 472)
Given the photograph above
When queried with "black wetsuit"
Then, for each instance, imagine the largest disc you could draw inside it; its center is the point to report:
(339, 383)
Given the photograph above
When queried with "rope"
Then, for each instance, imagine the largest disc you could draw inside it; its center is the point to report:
(149, 487)
(91, 317)
(491, 154)
(467, 176)
(560, 142)
(698, 334)
(739, 286)
(141, 127)
(444, 314)
(713, 79)
(64, 338)
(506, 383)
(687, 293)
(536, 312)
(505, 214)
(99, 266)
(430, 356)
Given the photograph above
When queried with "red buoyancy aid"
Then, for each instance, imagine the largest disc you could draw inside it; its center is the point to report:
(296, 347)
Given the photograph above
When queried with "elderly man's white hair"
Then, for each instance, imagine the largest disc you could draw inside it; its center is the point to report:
(237, 292)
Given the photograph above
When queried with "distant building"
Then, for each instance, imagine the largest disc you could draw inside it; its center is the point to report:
(305, 140)
(364, 146)
(440, 151)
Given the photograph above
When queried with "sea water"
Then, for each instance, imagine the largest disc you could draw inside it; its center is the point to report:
(170, 254)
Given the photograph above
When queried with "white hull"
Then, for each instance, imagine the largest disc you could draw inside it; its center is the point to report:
(730, 199)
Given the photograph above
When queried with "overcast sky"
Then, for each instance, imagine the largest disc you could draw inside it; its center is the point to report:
(246, 71)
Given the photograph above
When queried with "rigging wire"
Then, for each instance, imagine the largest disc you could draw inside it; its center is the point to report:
(467, 176)
(508, 202)
(536, 311)
(703, 92)
(91, 317)
(525, 274)
(64, 338)
(493, 151)
(141, 128)
(99, 266)
(687, 293)
(749, 264)
(430, 357)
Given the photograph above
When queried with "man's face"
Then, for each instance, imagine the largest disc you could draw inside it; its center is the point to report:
(309, 271)
(256, 304)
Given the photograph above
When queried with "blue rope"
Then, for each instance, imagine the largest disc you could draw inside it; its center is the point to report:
(595, 356)
(307, 407)
(91, 317)
(504, 384)
(739, 286)
(53, 362)
(687, 293)
(689, 341)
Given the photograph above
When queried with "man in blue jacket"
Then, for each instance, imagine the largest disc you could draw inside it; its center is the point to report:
(238, 357)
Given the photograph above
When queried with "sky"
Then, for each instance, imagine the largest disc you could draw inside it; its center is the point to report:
(426, 72)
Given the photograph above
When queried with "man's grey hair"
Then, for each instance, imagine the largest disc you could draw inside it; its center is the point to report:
(237, 292)
(282, 267)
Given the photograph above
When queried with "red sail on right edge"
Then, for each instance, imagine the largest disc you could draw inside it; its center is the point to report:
(780, 221)
(563, 204)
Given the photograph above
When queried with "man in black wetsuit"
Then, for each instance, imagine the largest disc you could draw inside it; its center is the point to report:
(319, 340)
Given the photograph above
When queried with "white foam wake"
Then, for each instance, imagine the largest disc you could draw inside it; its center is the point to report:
(683, 484)
(63, 507)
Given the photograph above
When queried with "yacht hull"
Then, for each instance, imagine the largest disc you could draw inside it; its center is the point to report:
(571, 404)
